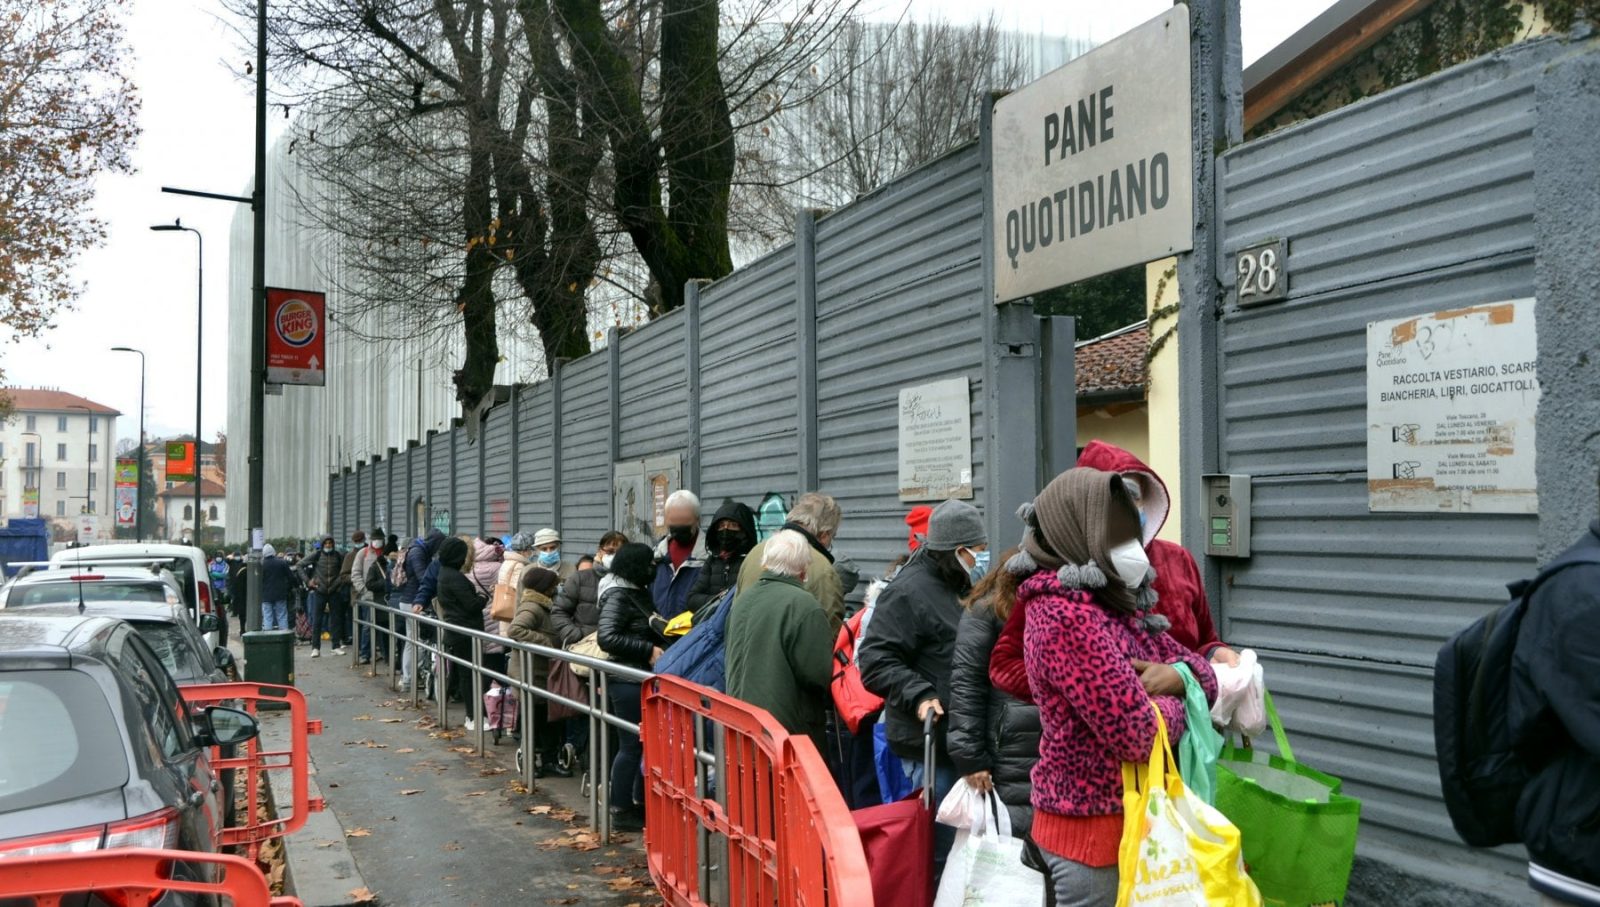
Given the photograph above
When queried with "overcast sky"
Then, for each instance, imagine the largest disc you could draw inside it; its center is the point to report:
(197, 121)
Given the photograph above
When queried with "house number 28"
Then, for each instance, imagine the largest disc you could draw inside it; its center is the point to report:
(1260, 273)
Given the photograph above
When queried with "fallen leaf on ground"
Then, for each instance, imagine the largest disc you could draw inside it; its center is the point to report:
(362, 718)
(452, 846)
(463, 749)
(393, 720)
(326, 843)
(540, 810)
(358, 833)
(478, 793)
(622, 884)
(517, 787)
(362, 896)
(561, 900)
(406, 749)
(409, 792)
(489, 772)
(609, 870)
(564, 815)
(374, 745)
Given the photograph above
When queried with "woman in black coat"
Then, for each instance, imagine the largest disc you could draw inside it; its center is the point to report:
(732, 535)
(629, 636)
(993, 738)
(460, 605)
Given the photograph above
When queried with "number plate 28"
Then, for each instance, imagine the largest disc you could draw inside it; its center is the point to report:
(1261, 273)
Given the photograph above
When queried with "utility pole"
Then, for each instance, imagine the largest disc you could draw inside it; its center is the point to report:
(258, 315)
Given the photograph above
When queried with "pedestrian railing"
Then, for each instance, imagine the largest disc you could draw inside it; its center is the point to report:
(739, 811)
(135, 878)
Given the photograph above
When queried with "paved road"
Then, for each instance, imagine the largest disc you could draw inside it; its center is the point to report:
(429, 825)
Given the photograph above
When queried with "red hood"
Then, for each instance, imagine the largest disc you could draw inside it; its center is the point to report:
(1155, 502)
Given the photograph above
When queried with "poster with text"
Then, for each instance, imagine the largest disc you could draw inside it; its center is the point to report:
(1452, 398)
(297, 342)
(180, 461)
(936, 441)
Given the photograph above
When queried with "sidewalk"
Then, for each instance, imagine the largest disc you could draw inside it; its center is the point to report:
(430, 823)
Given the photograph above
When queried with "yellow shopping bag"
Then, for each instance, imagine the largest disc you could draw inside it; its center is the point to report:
(1177, 851)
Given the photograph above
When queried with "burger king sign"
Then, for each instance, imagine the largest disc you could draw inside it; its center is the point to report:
(297, 350)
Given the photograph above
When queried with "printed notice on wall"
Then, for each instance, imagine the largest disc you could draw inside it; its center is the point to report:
(936, 441)
(1451, 400)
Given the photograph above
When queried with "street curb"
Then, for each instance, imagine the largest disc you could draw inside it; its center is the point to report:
(320, 876)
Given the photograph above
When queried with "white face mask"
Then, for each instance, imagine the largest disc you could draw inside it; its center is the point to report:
(605, 561)
(1130, 562)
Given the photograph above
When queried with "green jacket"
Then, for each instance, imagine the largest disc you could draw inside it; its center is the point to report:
(779, 650)
(822, 581)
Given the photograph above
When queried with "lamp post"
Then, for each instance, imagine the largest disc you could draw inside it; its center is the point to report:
(199, 353)
(31, 464)
(138, 489)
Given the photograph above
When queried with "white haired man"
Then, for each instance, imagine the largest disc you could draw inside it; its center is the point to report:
(779, 644)
(815, 517)
(679, 556)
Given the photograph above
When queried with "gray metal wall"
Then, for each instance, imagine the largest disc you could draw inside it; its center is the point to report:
(782, 377)
(1414, 201)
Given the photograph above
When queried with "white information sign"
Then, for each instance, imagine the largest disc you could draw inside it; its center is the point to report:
(1090, 165)
(88, 527)
(1451, 401)
(936, 441)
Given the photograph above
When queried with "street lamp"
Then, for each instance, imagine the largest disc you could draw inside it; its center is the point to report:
(138, 489)
(199, 352)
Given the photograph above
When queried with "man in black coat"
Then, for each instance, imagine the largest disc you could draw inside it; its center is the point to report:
(1555, 707)
(459, 605)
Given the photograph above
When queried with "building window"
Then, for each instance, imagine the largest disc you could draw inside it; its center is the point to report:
(32, 455)
(33, 423)
(94, 452)
(61, 480)
(93, 483)
(61, 452)
(61, 423)
(91, 505)
(61, 508)
(94, 423)
(212, 513)
(188, 511)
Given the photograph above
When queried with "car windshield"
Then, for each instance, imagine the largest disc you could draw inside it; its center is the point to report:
(64, 592)
(176, 650)
(58, 740)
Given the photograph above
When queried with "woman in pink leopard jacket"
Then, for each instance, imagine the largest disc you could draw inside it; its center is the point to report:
(1094, 655)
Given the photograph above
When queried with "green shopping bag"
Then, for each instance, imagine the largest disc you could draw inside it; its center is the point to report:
(1298, 832)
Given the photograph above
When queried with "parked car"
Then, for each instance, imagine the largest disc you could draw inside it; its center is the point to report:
(186, 562)
(97, 748)
(133, 585)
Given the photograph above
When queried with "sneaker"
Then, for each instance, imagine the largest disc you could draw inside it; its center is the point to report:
(338, 650)
(627, 820)
(470, 725)
(365, 661)
(402, 687)
(316, 653)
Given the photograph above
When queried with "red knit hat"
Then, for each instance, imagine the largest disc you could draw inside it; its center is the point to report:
(917, 519)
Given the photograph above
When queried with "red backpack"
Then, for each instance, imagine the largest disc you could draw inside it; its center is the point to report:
(851, 698)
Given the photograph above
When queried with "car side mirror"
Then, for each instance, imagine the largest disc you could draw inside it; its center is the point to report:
(207, 623)
(222, 656)
(228, 727)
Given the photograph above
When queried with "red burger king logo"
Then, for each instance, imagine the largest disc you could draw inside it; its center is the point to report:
(296, 322)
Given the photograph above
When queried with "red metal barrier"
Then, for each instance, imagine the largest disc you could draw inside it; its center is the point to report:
(256, 760)
(135, 878)
(819, 851)
(789, 837)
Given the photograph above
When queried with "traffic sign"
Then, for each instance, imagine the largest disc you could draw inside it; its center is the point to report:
(297, 348)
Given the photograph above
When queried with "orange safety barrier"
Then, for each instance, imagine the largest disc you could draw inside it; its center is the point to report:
(135, 878)
(720, 770)
(256, 760)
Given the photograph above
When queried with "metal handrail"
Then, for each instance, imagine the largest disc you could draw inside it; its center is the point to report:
(597, 708)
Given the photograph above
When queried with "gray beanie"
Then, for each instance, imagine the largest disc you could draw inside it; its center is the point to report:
(955, 524)
(522, 541)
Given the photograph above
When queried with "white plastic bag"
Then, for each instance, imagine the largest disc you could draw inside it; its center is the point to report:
(1241, 694)
(985, 863)
(964, 807)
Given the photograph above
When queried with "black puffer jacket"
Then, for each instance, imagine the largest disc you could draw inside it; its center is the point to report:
(722, 573)
(906, 652)
(576, 610)
(989, 730)
(625, 631)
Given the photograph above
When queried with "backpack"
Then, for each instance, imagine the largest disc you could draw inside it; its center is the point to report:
(1481, 768)
(851, 698)
(398, 576)
(701, 655)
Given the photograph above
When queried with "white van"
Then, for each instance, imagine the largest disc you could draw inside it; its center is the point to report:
(186, 562)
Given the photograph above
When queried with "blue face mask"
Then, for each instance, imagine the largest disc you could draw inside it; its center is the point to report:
(550, 558)
(980, 565)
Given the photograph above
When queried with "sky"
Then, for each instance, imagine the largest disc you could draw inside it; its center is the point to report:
(197, 120)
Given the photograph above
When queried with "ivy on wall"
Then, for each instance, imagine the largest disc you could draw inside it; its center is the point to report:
(1445, 34)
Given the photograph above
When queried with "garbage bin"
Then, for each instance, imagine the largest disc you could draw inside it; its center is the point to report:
(269, 658)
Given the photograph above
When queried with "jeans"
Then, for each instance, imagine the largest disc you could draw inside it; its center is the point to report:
(274, 615)
(1073, 884)
(625, 777)
(319, 607)
(364, 632)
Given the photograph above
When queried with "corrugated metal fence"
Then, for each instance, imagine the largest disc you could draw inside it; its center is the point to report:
(885, 294)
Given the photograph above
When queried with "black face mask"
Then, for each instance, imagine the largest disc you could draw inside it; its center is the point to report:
(729, 541)
(683, 535)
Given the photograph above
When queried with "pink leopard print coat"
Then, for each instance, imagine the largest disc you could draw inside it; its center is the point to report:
(1095, 713)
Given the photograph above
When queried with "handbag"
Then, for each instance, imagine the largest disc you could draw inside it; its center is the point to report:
(1176, 850)
(982, 867)
(1299, 831)
(563, 682)
(503, 606)
(589, 647)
